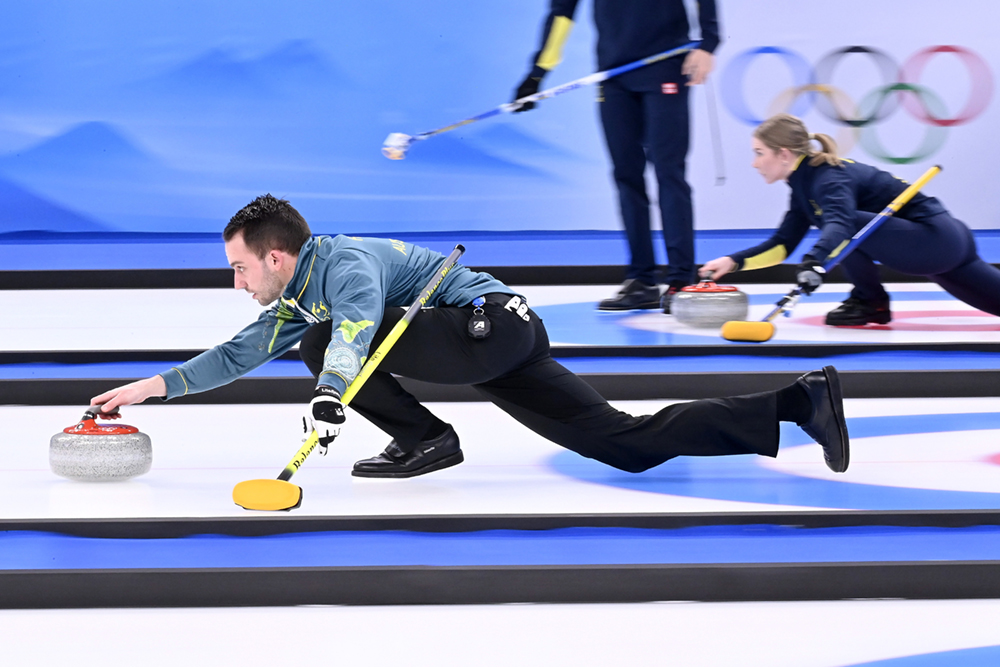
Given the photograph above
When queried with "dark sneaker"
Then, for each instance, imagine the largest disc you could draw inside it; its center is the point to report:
(633, 295)
(827, 425)
(857, 312)
(430, 455)
(673, 288)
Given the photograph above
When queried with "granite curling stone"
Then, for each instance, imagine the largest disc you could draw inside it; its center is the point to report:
(92, 452)
(707, 305)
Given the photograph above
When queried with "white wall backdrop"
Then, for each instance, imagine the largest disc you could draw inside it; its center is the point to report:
(948, 110)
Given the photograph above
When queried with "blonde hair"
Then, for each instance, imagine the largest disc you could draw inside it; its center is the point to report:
(787, 131)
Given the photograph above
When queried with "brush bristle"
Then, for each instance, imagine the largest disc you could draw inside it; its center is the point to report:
(267, 494)
(751, 332)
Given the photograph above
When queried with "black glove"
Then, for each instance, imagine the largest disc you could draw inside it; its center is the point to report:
(528, 87)
(327, 414)
(809, 275)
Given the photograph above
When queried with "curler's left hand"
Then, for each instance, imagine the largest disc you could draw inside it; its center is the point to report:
(809, 276)
(327, 414)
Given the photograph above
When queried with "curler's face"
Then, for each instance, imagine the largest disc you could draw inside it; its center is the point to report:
(773, 165)
(258, 277)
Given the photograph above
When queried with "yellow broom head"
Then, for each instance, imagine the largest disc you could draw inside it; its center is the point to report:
(750, 332)
(267, 494)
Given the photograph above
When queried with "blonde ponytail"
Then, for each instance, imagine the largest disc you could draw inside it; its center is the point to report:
(828, 153)
(786, 131)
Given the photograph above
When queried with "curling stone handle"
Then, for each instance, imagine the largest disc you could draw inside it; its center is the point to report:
(95, 411)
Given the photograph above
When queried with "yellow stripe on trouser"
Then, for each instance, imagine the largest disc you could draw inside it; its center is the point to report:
(551, 55)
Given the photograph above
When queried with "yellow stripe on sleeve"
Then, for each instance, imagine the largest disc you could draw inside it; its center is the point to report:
(775, 255)
(551, 55)
(186, 388)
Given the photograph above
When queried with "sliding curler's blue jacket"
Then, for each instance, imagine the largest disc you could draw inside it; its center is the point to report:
(828, 197)
(345, 279)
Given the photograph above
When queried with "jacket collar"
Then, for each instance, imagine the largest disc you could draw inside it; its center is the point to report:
(303, 269)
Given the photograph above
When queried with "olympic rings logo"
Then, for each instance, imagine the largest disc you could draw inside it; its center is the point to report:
(900, 87)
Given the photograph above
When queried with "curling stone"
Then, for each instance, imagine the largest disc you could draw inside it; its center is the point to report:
(707, 305)
(92, 452)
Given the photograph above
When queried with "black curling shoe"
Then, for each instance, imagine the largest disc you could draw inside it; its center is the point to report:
(430, 455)
(827, 424)
(633, 295)
(857, 312)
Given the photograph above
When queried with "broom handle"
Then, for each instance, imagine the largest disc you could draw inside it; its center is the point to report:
(906, 195)
(373, 361)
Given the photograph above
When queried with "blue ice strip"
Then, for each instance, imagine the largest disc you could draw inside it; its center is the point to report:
(830, 295)
(984, 656)
(889, 360)
(131, 369)
(24, 550)
(42, 251)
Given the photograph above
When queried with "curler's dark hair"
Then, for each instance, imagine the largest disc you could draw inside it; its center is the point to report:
(268, 223)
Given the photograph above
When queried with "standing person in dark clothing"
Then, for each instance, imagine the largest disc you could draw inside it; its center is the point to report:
(644, 114)
(841, 196)
(341, 296)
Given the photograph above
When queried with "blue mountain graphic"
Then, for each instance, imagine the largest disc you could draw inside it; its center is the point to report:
(89, 146)
(221, 74)
(300, 63)
(23, 211)
(217, 73)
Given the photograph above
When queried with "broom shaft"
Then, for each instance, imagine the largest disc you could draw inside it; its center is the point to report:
(373, 361)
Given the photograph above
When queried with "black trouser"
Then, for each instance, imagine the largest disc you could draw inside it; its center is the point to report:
(939, 247)
(643, 120)
(514, 370)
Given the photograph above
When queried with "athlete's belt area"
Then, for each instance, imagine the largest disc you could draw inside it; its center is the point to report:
(479, 325)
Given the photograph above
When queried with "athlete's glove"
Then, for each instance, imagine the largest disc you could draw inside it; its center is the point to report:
(327, 414)
(809, 276)
(528, 87)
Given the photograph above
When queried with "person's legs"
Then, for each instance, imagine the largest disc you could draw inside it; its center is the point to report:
(974, 281)
(561, 407)
(939, 247)
(868, 302)
(382, 400)
(863, 273)
(918, 247)
(667, 131)
(437, 348)
(513, 368)
(622, 119)
(558, 405)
